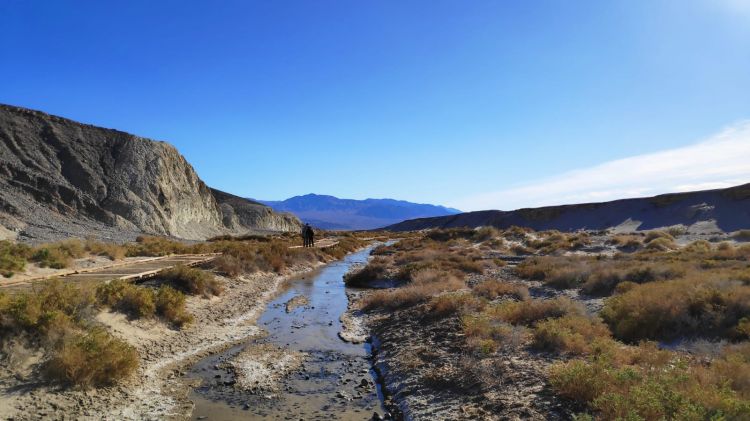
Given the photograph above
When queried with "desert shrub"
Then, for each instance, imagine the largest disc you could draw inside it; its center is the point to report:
(650, 388)
(111, 250)
(449, 234)
(170, 304)
(127, 298)
(453, 303)
(426, 284)
(228, 265)
(624, 287)
(13, 257)
(698, 246)
(42, 310)
(677, 230)
(653, 235)
(485, 334)
(93, 358)
(58, 255)
(193, 281)
(158, 246)
(628, 242)
(571, 334)
(741, 235)
(661, 244)
(530, 312)
(373, 271)
(666, 310)
(492, 288)
(521, 250)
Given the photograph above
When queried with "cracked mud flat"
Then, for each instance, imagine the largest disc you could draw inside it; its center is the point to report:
(298, 367)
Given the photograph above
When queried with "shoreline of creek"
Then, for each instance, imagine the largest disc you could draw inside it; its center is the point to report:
(158, 390)
(301, 367)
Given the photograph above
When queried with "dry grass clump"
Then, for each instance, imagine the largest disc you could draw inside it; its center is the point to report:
(670, 309)
(170, 304)
(741, 235)
(58, 318)
(493, 288)
(193, 281)
(485, 333)
(373, 271)
(553, 241)
(570, 334)
(653, 235)
(626, 242)
(530, 312)
(424, 285)
(111, 250)
(143, 302)
(93, 358)
(598, 275)
(157, 246)
(651, 384)
(13, 257)
(58, 255)
(698, 246)
(661, 244)
(455, 303)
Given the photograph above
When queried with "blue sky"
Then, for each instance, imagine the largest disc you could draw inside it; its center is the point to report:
(474, 104)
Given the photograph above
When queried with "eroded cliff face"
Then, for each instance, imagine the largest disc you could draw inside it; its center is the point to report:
(59, 177)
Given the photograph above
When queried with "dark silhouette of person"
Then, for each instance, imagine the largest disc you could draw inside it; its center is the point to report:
(305, 234)
(311, 238)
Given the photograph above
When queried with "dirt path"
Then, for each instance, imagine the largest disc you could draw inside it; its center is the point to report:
(321, 244)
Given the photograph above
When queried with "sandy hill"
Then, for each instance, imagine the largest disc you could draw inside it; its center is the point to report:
(722, 210)
(60, 178)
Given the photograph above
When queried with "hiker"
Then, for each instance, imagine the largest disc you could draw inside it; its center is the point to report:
(310, 236)
(305, 234)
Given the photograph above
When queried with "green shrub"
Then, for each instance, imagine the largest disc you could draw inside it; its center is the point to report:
(193, 281)
(530, 312)
(670, 309)
(374, 271)
(454, 303)
(128, 298)
(94, 358)
(572, 334)
(492, 288)
(13, 257)
(170, 304)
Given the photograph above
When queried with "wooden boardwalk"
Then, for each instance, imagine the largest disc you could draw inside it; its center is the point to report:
(141, 269)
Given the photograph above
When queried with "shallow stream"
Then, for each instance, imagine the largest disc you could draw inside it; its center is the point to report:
(334, 381)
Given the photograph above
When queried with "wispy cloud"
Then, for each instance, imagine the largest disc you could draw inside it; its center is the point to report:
(720, 161)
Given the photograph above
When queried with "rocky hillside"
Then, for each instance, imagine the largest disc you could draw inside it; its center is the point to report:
(722, 210)
(60, 178)
(330, 212)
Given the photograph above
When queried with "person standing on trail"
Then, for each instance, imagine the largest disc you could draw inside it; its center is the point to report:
(310, 236)
(305, 234)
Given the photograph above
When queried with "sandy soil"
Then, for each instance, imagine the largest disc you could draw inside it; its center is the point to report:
(158, 391)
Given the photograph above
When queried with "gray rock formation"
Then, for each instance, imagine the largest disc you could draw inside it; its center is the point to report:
(708, 211)
(60, 178)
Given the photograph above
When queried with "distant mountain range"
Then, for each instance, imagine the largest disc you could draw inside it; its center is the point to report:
(329, 212)
(707, 211)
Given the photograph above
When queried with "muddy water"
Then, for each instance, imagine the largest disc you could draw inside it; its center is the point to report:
(335, 380)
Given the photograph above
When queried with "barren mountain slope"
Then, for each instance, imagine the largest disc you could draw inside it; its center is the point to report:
(702, 211)
(60, 178)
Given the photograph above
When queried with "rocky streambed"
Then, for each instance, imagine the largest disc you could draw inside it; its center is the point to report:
(299, 367)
